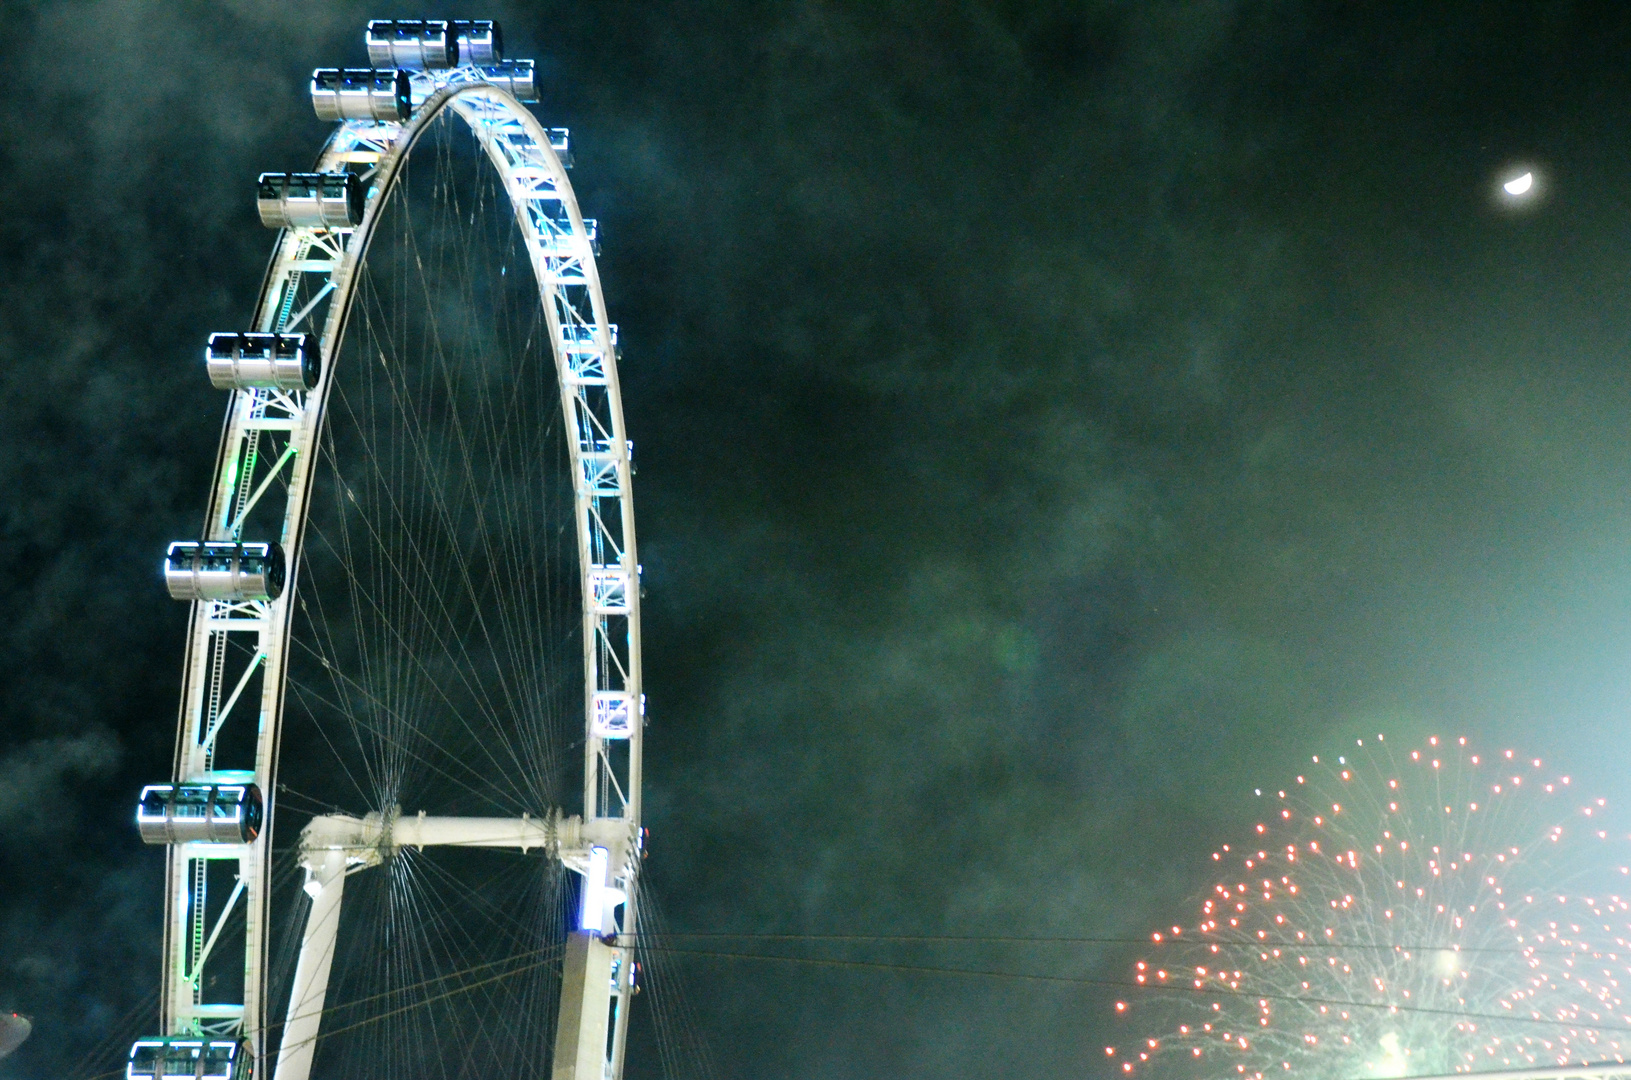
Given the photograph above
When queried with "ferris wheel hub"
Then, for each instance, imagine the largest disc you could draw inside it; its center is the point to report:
(376, 837)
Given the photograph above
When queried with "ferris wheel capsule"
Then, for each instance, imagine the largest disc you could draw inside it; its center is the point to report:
(361, 94)
(224, 570)
(309, 200)
(411, 44)
(516, 77)
(246, 361)
(479, 40)
(432, 44)
(199, 813)
(193, 1058)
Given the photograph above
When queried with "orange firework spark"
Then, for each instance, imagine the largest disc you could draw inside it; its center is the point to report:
(1430, 912)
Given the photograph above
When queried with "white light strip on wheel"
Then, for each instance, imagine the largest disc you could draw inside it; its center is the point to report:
(594, 892)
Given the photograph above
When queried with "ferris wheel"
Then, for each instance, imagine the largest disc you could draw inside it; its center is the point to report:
(415, 606)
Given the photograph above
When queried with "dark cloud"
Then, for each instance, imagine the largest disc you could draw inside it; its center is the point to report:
(36, 783)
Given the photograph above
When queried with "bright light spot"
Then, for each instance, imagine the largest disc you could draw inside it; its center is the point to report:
(594, 891)
(1519, 185)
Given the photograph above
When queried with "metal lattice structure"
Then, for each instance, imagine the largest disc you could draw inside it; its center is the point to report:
(280, 373)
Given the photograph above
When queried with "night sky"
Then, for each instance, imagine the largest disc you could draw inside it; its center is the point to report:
(1053, 420)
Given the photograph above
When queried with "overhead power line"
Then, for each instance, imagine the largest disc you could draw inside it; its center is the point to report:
(1084, 980)
(1004, 939)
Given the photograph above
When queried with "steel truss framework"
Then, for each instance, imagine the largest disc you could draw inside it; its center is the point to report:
(267, 452)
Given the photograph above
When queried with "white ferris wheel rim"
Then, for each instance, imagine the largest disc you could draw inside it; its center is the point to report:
(530, 170)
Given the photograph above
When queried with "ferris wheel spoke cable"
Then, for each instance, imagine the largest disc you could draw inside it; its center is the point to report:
(304, 695)
(453, 938)
(385, 735)
(511, 633)
(538, 959)
(397, 732)
(429, 477)
(534, 960)
(319, 805)
(545, 953)
(500, 918)
(518, 803)
(409, 648)
(397, 585)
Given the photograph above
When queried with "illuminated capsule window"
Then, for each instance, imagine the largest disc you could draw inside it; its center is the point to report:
(578, 338)
(199, 813)
(309, 200)
(263, 361)
(479, 41)
(411, 44)
(360, 94)
(222, 570)
(517, 77)
(188, 1058)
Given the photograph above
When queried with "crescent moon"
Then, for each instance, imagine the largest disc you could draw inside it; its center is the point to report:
(1519, 185)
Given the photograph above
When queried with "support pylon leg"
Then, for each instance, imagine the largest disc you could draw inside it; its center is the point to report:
(311, 971)
(586, 998)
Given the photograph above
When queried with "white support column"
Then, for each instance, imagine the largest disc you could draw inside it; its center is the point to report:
(326, 883)
(598, 849)
(586, 993)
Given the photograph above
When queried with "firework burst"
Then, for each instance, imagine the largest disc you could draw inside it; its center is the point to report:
(1427, 912)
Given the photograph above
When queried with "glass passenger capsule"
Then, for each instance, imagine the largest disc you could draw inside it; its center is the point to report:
(517, 77)
(360, 94)
(430, 44)
(199, 813)
(480, 41)
(309, 200)
(185, 1057)
(267, 361)
(224, 570)
(411, 44)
